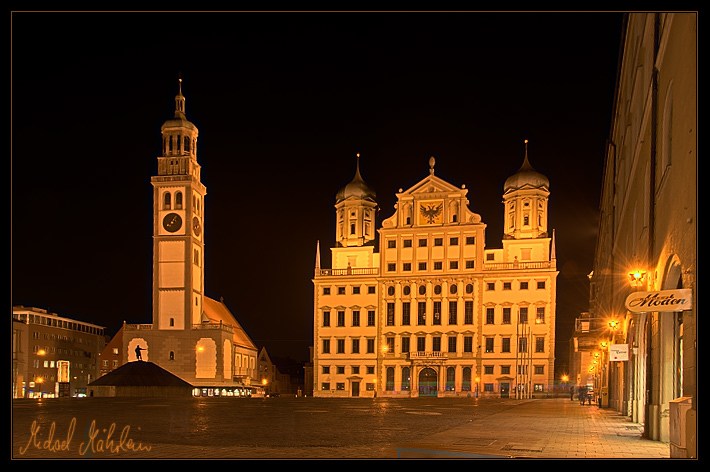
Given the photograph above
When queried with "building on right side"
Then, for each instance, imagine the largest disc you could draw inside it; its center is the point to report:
(643, 290)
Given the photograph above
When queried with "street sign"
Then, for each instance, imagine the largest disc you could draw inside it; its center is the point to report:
(660, 300)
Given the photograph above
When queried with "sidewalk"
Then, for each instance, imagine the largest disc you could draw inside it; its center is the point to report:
(551, 428)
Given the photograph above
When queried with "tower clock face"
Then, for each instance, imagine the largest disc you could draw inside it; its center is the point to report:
(172, 222)
(196, 226)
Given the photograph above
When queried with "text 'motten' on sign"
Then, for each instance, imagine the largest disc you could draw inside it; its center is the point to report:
(661, 300)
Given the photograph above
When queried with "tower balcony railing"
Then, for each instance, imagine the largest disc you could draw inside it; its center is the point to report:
(523, 265)
(350, 271)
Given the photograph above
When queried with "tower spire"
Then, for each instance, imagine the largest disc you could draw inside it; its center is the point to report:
(180, 100)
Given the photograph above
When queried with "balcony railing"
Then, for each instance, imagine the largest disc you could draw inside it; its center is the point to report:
(517, 265)
(350, 271)
(427, 355)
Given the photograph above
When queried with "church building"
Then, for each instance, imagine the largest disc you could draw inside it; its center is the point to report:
(426, 309)
(192, 336)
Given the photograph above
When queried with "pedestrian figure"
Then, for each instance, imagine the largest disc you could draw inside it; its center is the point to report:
(582, 394)
(138, 352)
(571, 393)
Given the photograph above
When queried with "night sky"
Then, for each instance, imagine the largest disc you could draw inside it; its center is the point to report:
(283, 103)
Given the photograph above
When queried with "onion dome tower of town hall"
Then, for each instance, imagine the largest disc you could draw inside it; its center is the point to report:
(525, 197)
(356, 209)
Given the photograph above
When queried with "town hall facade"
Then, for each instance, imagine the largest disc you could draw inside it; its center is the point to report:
(426, 309)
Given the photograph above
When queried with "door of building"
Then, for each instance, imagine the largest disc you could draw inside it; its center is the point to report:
(504, 390)
(428, 383)
(355, 388)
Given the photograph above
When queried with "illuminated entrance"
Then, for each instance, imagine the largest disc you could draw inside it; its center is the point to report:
(427, 383)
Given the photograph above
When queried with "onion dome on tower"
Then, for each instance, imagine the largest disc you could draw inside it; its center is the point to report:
(526, 176)
(356, 211)
(356, 188)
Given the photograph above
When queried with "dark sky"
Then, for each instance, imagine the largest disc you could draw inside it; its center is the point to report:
(283, 102)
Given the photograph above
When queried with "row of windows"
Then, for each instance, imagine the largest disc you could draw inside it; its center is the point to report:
(437, 265)
(434, 345)
(437, 316)
(453, 288)
(423, 242)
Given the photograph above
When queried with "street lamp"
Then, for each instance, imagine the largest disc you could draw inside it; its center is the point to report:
(637, 277)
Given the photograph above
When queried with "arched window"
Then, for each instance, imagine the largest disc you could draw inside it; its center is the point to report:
(406, 378)
(166, 201)
(450, 379)
(178, 200)
(466, 380)
(389, 385)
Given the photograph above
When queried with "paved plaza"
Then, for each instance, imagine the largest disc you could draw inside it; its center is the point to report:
(303, 428)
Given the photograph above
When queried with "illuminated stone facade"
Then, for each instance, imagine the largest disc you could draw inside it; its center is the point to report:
(433, 311)
(648, 230)
(192, 336)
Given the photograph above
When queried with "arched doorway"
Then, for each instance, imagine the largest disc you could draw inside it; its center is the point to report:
(428, 382)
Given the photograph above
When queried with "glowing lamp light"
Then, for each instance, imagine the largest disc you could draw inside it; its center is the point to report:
(637, 277)
(614, 324)
(200, 348)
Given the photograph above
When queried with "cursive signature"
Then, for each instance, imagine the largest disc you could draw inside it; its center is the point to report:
(96, 441)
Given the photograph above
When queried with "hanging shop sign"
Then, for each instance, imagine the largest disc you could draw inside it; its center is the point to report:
(661, 300)
(618, 352)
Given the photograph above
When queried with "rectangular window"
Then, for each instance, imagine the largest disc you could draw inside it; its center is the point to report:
(405, 343)
(390, 344)
(356, 290)
(406, 312)
(468, 312)
(422, 243)
(422, 266)
(523, 285)
(506, 286)
(391, 267)
(341, 346)
(392, 243)
(541, 284)
(421, 343)
(370, 346)
(453, 241)
(436, 343)
(453, 265)
(540, 315)
(539, 344)
(437, 265)
(407, 266)
(452, 343)
(421, 313)
(326, 290)
(490, 315)
(437, 313)
(523, 317)
(407, 243)
(505, 345)
(470, 240)
(506, 315)
(370, 317)
(468, 344)
(326, 318)
(341, 318)
(489, 344)
(356, 317)
(326, 346)
(390, 314)
(470, 265)
(453, 311)
(356, 346)
(438, 241)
